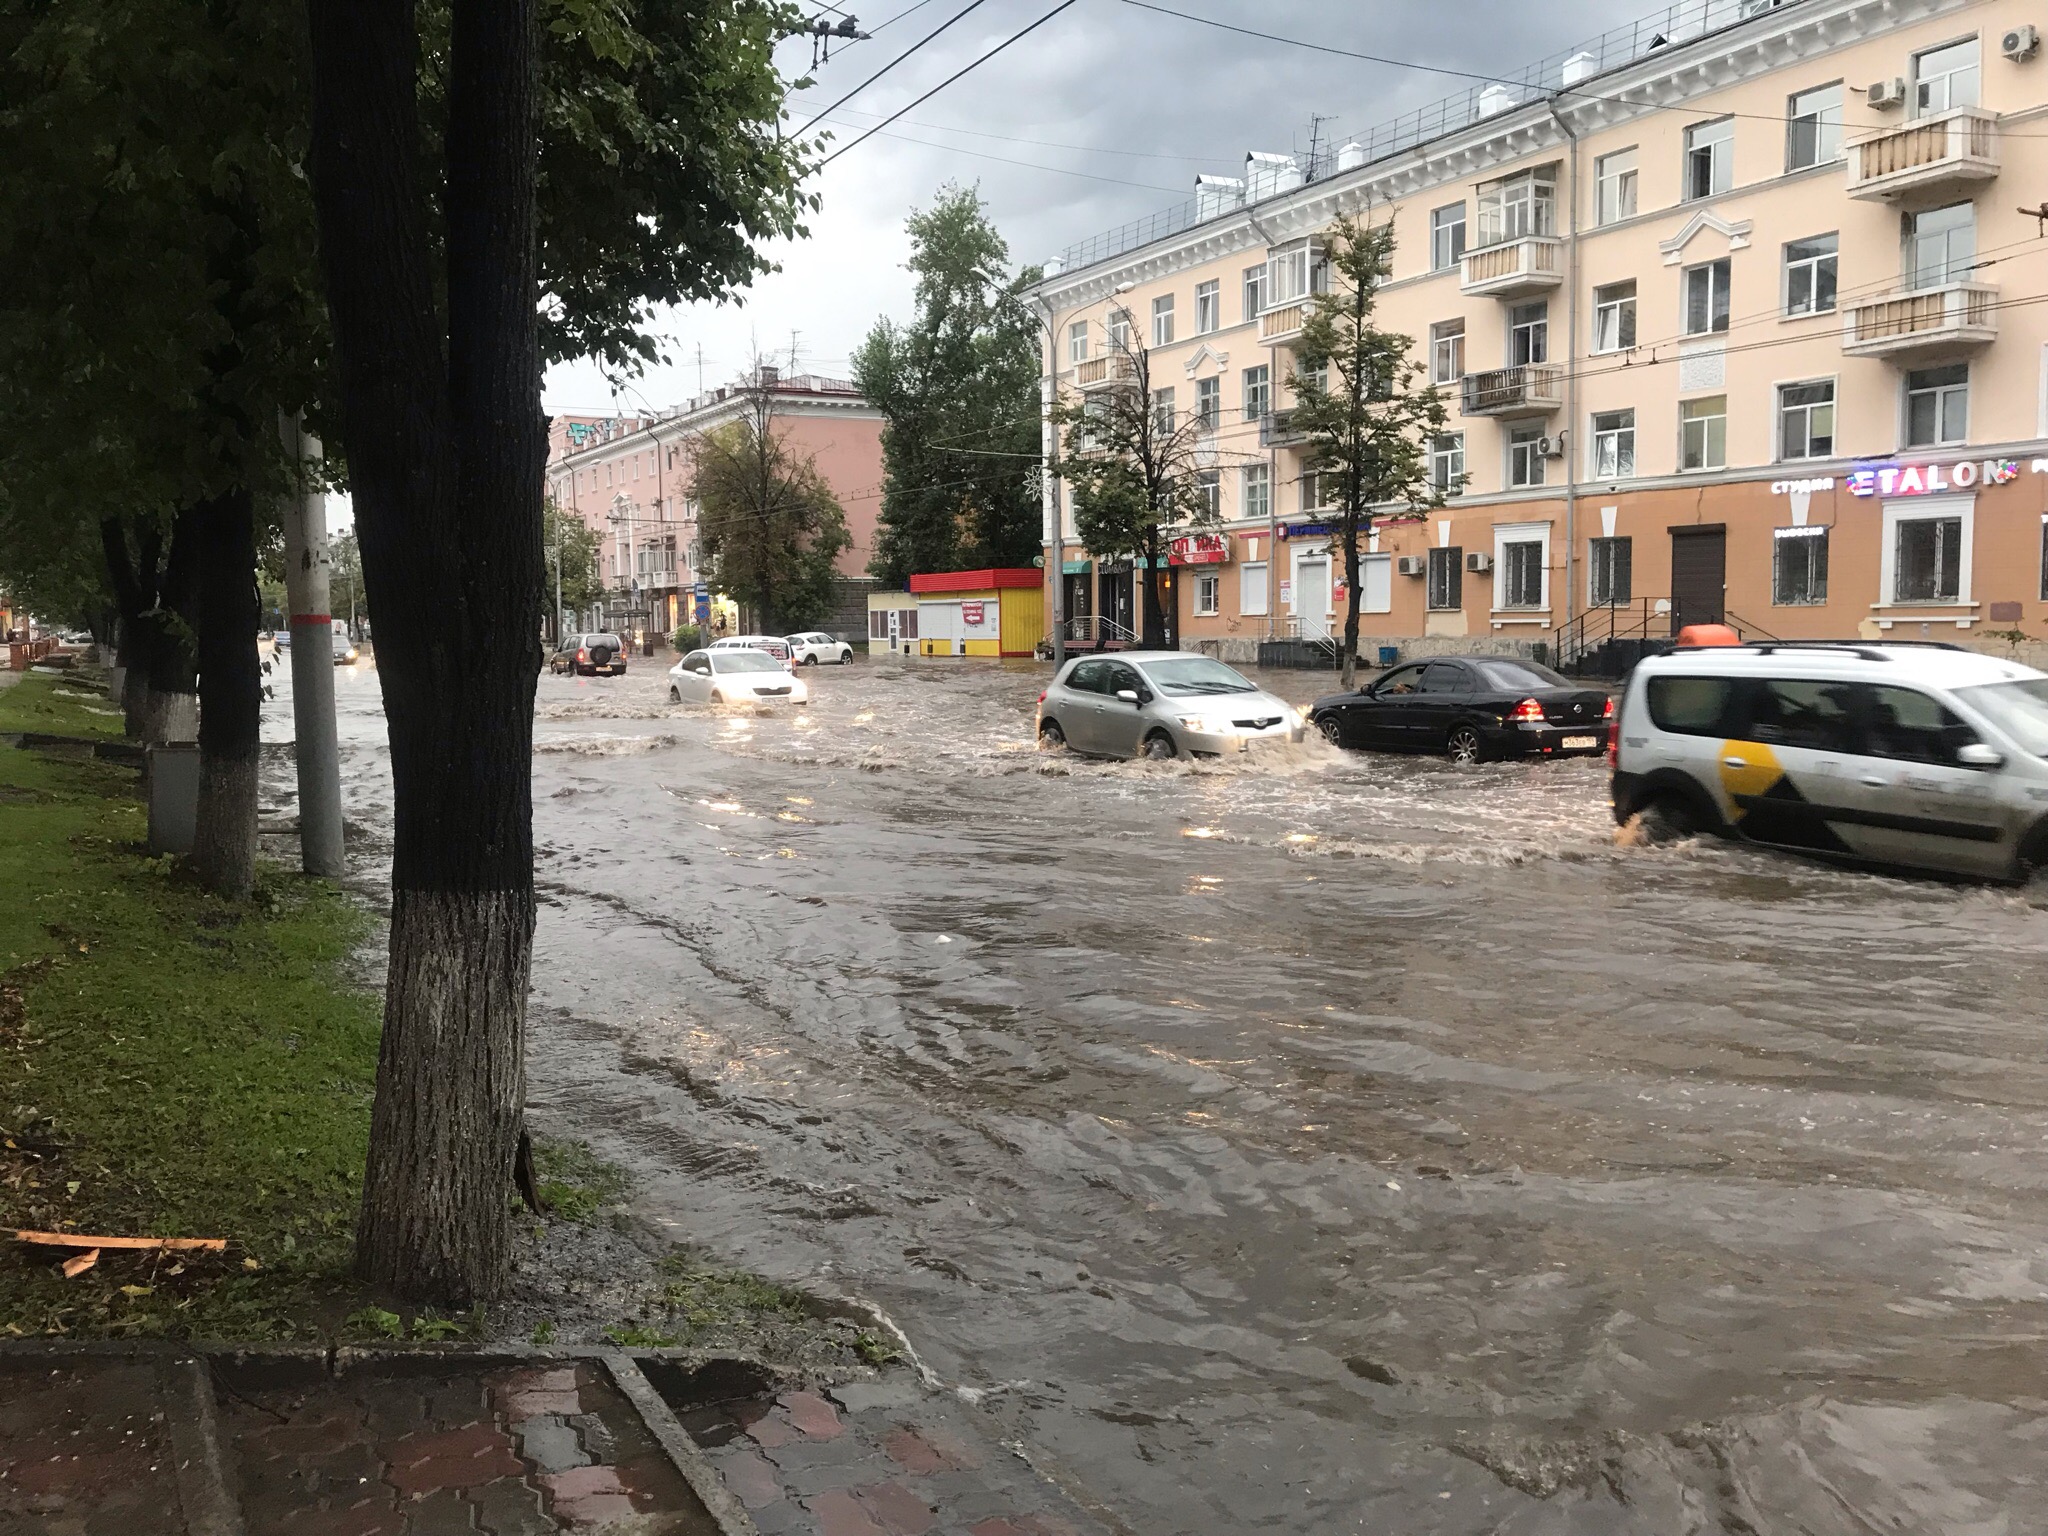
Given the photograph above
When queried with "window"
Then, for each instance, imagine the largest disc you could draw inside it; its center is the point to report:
(1945, 77)
(1446, 237)
(1251, 587)
(1257, 501)
(1529, 334)
(1806, 420)
(1692, 706)
(1517, 206)
(1447, 463)
(1799, 567)
(1208, 593)
(1258, 392)
(1525, 455)
(1521, 574)
(1706, 298)
(1810, 275)
(1077, 342)
(1709, 158)
(1610, 572)
(1929, 560)
(1209, 403)
(1938, 406)
(1941, 245)
(1906, 726)
(1293, 273)
(1614, 317)
(1814, 131)
(1209, 486)
(1446, 352)
(1117, 330)
(1208, 307)
(1162, 320)
(1446, 579)
(1314, 488)
(1614, 187)
(1614, 445)
(1162, 412)
(1793, 712)
(1703, 433)
(1254, 290)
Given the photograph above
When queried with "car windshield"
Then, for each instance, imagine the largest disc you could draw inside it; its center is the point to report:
(1511, 675)
(2018, 709)
(1196, 674)
(744, 661)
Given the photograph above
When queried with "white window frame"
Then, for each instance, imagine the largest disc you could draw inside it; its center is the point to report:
(1077, 342)
(1254, 587)
(1164, 415)
(1941, 394)
(1505, 534)
(1208, 594)
(1779, 409)
(1615, 183)
(1522, 438)
(1716, 139)
(1536, 332)
(1917, 508)
(1258, 391)
(1923, 105)
(1447, 351)
(1811, 266)
(1162, 320)
(1209, 483)
(1208, 307)
(1958, 245)
(1612, 446)
(1824, 115)
(1614, 317)
(1516, 207)
(1293, 272)
(1447, 463)
(1254, 291)
(1255, 492)
(1446, 249)
(1209, 402)
(1706, 435)
(1689, 278)
(1116, 331)
(1375, 571)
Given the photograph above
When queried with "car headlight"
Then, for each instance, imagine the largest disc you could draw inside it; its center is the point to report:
(1301, 714)
(1194, 723)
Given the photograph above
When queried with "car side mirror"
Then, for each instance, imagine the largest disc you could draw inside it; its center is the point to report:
(1978, 755)
(1128, 695)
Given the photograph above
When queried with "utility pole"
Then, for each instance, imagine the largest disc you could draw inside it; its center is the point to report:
(558, 576)
(308, 594)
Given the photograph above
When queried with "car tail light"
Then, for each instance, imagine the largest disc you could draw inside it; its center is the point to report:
(1528, 711)
(1613, 737)
(582, 653)
(1041, 695)
(1608, 713)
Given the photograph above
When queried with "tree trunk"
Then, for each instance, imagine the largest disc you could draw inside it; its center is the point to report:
(446, 441)
(1353, 531)
(231, 694)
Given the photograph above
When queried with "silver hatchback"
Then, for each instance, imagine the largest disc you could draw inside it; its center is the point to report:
(1160, 704)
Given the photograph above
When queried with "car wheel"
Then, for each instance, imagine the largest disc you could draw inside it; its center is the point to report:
(675, 694)
(846, 657)
(1050, 736)
(811, 660)
(1465, 746)
(1333, 732)
(1668, 819)
(1159, 747)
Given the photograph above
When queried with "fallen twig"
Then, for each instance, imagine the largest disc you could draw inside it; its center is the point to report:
(79, 1240)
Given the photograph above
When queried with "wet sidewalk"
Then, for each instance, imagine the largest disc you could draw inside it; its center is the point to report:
(143, 1442)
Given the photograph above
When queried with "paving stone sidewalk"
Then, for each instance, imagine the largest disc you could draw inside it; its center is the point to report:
(160, 1442)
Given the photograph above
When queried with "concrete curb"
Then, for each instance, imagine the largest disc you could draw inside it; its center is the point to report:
(696, 1469)
(190, 1421)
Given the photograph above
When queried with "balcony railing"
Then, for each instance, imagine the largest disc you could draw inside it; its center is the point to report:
(1104, 372)
(1276, 430)
(1531, 264)
(1283, 324)
(1951, 148)
(1926, 320)
(1527, 390)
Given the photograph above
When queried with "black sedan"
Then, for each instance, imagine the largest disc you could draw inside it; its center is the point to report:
(1469, 708)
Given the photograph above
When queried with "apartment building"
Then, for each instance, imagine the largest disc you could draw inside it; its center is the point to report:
(630, 478)
(1741, 315)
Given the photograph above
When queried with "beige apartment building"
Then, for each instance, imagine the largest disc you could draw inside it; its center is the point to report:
(1741, 315)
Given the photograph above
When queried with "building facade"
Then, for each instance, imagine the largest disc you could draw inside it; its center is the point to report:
(630, 479)
(1738, 314)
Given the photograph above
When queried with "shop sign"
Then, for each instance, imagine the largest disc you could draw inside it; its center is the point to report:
(1286, 590)
(1305, 530)
(1932, 479)
(971, 614)
(1201, 549)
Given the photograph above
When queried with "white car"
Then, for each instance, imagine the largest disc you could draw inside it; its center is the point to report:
(344, 647)
(815, 646)
(774, 645)
(734, 675)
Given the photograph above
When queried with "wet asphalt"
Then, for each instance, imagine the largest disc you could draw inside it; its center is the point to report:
(1317, 1143)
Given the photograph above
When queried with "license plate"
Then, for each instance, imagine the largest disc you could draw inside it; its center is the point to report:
(1581, 743)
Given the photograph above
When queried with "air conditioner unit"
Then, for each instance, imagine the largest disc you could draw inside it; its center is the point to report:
(1478, 564)
(2021, 43)
(1412, 565)
(1551, 447)
(1886, 94)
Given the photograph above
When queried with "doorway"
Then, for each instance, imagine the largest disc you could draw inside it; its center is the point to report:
(1699, 576)
(1312, 598)
(1169, 605)
(1116, 602)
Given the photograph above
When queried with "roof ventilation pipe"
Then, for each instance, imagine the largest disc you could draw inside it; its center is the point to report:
(1351, 156)
(1580, 66)
(1495, 98)
(1265, 175)
(1217, 194)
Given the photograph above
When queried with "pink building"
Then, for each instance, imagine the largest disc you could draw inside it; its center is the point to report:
(630, 479)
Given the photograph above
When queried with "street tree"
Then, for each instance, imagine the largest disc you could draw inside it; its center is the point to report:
(957, 386)
(1143, 471)
(498, 183)
(1365, 407)
(770, 527)
(570, 547)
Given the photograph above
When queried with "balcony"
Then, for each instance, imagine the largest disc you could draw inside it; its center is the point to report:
(1513, 268)
(1276, 430)
(1111, 370)
(1534, 389)
(1925, 322)
(1277, 326)
(1945, 152)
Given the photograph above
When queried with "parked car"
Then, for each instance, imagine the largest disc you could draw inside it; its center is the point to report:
(341, 643)
(734, 675)
(281, 638)
(1159, 704)
(1887, 755)
(588, 655)
(774, 645)
(1469, 708)
(814, 646)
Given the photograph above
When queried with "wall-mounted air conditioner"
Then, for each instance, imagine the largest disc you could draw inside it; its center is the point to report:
(1412, 565)
(2021, 43)
(1886, 94)
(1478, 564)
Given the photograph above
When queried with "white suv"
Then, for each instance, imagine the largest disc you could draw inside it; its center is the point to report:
(814, 646)
(1900, 756)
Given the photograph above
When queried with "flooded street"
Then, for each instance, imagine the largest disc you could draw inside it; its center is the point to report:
(1325, 1143)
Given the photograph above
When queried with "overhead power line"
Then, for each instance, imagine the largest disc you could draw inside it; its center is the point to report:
(964, 69)
(1033, 165)
(1011, 138)
(973, 5)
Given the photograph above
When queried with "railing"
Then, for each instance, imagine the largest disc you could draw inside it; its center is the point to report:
(1611, 638)
(1110, 368)
(1961, 143)
(1284, 322)
(1902, 322)
(1276, 430)
(1525, 386)
(1531, 259)
(1747, 628)
(1098, 630)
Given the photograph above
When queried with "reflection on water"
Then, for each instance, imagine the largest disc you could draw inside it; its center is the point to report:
(1317, 1143)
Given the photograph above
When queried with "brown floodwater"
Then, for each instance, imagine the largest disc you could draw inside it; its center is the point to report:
(1314, 1144)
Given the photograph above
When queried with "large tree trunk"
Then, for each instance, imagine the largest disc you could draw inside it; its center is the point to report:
(1353, 531)
(445, 444)
(152, 591)
(230, 694)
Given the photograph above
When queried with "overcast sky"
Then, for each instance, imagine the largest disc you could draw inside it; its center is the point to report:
(1106, 90)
